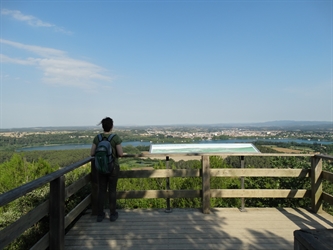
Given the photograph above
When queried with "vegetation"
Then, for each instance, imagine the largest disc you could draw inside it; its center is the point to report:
(302, 147)
(21, 140)
(56, 158)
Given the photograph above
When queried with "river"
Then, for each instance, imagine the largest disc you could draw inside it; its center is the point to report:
(145, 143)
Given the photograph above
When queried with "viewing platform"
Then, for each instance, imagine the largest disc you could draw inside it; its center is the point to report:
(205, 227)
(223, 229)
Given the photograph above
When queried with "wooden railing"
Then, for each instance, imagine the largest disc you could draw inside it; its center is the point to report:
(55, 206)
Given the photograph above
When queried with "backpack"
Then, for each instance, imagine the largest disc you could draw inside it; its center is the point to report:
(104, 160)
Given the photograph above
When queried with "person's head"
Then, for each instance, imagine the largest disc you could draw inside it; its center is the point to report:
(107, 124)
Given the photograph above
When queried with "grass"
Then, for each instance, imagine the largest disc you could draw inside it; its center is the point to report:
(295, 150)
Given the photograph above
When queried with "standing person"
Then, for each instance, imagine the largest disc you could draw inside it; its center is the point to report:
(108, 180)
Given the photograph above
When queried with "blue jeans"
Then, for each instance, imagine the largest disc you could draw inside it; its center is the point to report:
(107, 181)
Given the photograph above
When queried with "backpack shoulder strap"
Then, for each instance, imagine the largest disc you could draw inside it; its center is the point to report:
(110, 137)
(100, 137)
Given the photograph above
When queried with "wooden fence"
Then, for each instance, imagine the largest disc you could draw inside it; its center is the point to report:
(59, 221)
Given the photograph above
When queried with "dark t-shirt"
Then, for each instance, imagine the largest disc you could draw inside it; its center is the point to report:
(114, 141)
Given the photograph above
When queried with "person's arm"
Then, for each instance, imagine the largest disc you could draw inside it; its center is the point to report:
(119, 150)
(93, 149)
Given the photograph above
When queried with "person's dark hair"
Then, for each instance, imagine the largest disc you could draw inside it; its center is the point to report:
(107, 124)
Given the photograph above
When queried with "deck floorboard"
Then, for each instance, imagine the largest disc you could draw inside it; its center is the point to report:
(223, 228)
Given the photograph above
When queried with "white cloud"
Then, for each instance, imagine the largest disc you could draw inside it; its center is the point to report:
(42, 51)
(31, 20)
(6, 59)
(59, 69)
(68, 71)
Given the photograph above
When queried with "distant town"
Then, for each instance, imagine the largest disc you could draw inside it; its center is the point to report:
(320, 131)
(241, 133)
(317, 131)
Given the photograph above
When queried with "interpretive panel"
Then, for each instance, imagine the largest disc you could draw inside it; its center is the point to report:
(203, 148)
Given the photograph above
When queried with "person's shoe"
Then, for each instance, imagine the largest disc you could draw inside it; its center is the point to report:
(100, 217)
(114, 217)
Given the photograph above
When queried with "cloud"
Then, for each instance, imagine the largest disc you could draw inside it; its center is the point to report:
(42, 51)
(31, 20)
(7, 59)
(59, 69)
(72, 72)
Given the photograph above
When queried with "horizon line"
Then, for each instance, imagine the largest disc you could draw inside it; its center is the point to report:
(270, 123)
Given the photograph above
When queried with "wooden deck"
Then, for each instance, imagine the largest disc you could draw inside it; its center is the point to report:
(223, 228)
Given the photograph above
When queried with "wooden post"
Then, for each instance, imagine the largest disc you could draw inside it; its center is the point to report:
(316, 184)
(168, 209)
(205, 184)
(242, 185)
(57, 214)
(94, 188)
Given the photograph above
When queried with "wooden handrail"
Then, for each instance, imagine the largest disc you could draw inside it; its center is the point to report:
(324, 157)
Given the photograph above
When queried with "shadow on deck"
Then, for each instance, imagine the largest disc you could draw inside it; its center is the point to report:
(223, 228)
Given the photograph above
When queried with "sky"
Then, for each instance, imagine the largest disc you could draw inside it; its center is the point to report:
(72, 63)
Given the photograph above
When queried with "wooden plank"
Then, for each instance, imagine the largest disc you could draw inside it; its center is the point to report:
(169, 240)
(242, 183)
(267, 172)
(57, 213)
(185, 222)
(324, 157)
(42, 244)
(167, 185)
(260, 193)
(158, 194)
(222, 244)
(153, 234)
(328, 176)
(313, 239)
(216, 193)
(73, 214)
(328, 198)
(76, 186)
(316, 184)
(160, 173)
(102, 231)
(94, 187)
(212, 246)
(15, 229)
(205, 185)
